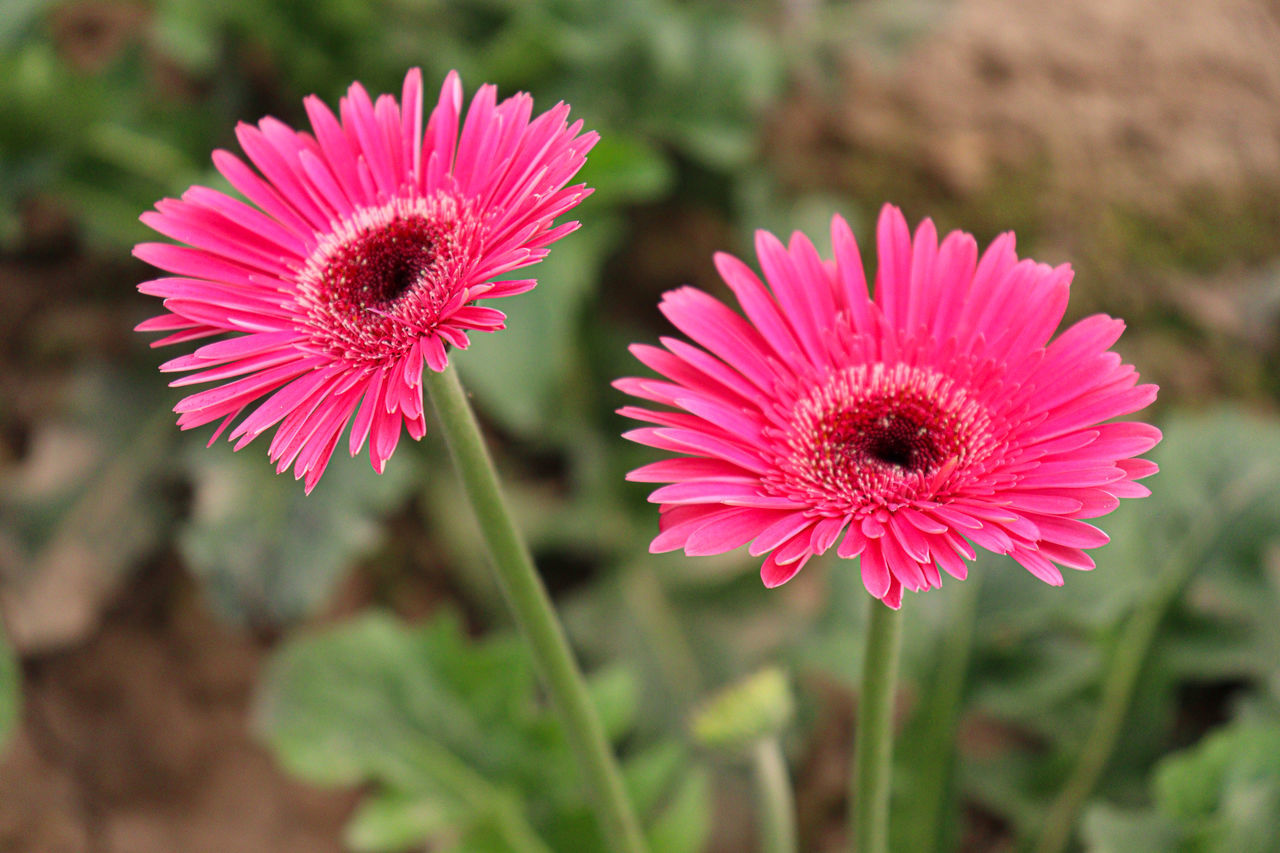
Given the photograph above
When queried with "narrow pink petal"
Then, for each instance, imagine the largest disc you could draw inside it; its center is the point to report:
(780, 531)
(758, 304)
(1035, 563)
(893, 247)
(728, 531)
(875, 573)
(774, 574)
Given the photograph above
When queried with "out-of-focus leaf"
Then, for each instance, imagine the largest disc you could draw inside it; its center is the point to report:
(10, 688)
(1220, 796)
(389, 822)
(1196, 550)
(452, 734)
(19, 16)
(271, 553)
(81, 509)
(1111, 830)
(684, 825)
(517, 373)
(622, 169)
(651, 772)
(616, 695)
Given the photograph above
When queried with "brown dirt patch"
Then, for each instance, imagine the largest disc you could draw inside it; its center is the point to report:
(138, 741)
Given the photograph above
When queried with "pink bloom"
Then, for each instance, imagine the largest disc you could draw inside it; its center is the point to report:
(905, 428)
(362, 255)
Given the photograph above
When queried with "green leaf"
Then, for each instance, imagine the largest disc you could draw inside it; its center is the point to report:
(10, 685)
(516, 374)
(685, 824)
(648, 774)
(1109, 830)
(1200, 781)
(270, 553)
(1220, 796)
(450, 734)
(390, 822)
(616, 695)
(624, 169)
(1183, 588)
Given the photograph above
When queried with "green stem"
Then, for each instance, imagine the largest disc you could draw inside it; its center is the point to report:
(534, 612)
(873, 750)
(774, 800)
(940, 713)
(1132, 648)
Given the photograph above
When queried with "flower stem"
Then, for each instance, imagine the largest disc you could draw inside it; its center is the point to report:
(774, 800)
(534, 612)
(873, 750)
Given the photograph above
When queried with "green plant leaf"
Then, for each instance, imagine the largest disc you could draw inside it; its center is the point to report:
(270, 553)
(451, 735)
(389, 822)
(684, 825)
(516, 375)
(1220, 796)
(623, 169)
(1192, 561)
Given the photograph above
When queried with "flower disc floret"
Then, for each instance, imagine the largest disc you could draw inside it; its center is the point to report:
(875, 436)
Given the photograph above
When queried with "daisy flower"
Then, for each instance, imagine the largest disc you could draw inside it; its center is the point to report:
(905, 427)
(361, 255)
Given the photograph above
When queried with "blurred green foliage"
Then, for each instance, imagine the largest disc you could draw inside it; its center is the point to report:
(1221, 796)
(460, 749)
(271, 555)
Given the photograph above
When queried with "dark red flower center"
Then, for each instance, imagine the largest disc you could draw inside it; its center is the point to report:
(380, 280)
(897, 436)
(877, 435)
(379, 266)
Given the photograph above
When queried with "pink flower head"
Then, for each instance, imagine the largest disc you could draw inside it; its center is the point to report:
(362, 255)
(903, 428)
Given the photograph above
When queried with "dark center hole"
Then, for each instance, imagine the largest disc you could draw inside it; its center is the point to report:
(404, 272)
(383, 264)
(891, 449)
(897, 440)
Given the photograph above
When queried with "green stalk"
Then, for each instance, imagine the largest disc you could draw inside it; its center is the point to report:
(774, 801)
(534, 612)
(873, 750)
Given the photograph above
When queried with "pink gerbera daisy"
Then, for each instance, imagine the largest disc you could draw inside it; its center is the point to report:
(362, 256)
(903, 428)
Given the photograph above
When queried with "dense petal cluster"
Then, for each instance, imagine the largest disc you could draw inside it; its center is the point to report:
(904, 426)
(361, 256)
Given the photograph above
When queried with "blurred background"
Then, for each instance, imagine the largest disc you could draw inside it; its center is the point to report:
(195, 657)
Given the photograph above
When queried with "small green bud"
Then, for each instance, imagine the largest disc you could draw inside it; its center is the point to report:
(742, 714)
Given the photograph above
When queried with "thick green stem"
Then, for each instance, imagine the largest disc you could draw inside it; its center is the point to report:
(873, 743)
(534, 612)
(774, 800)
